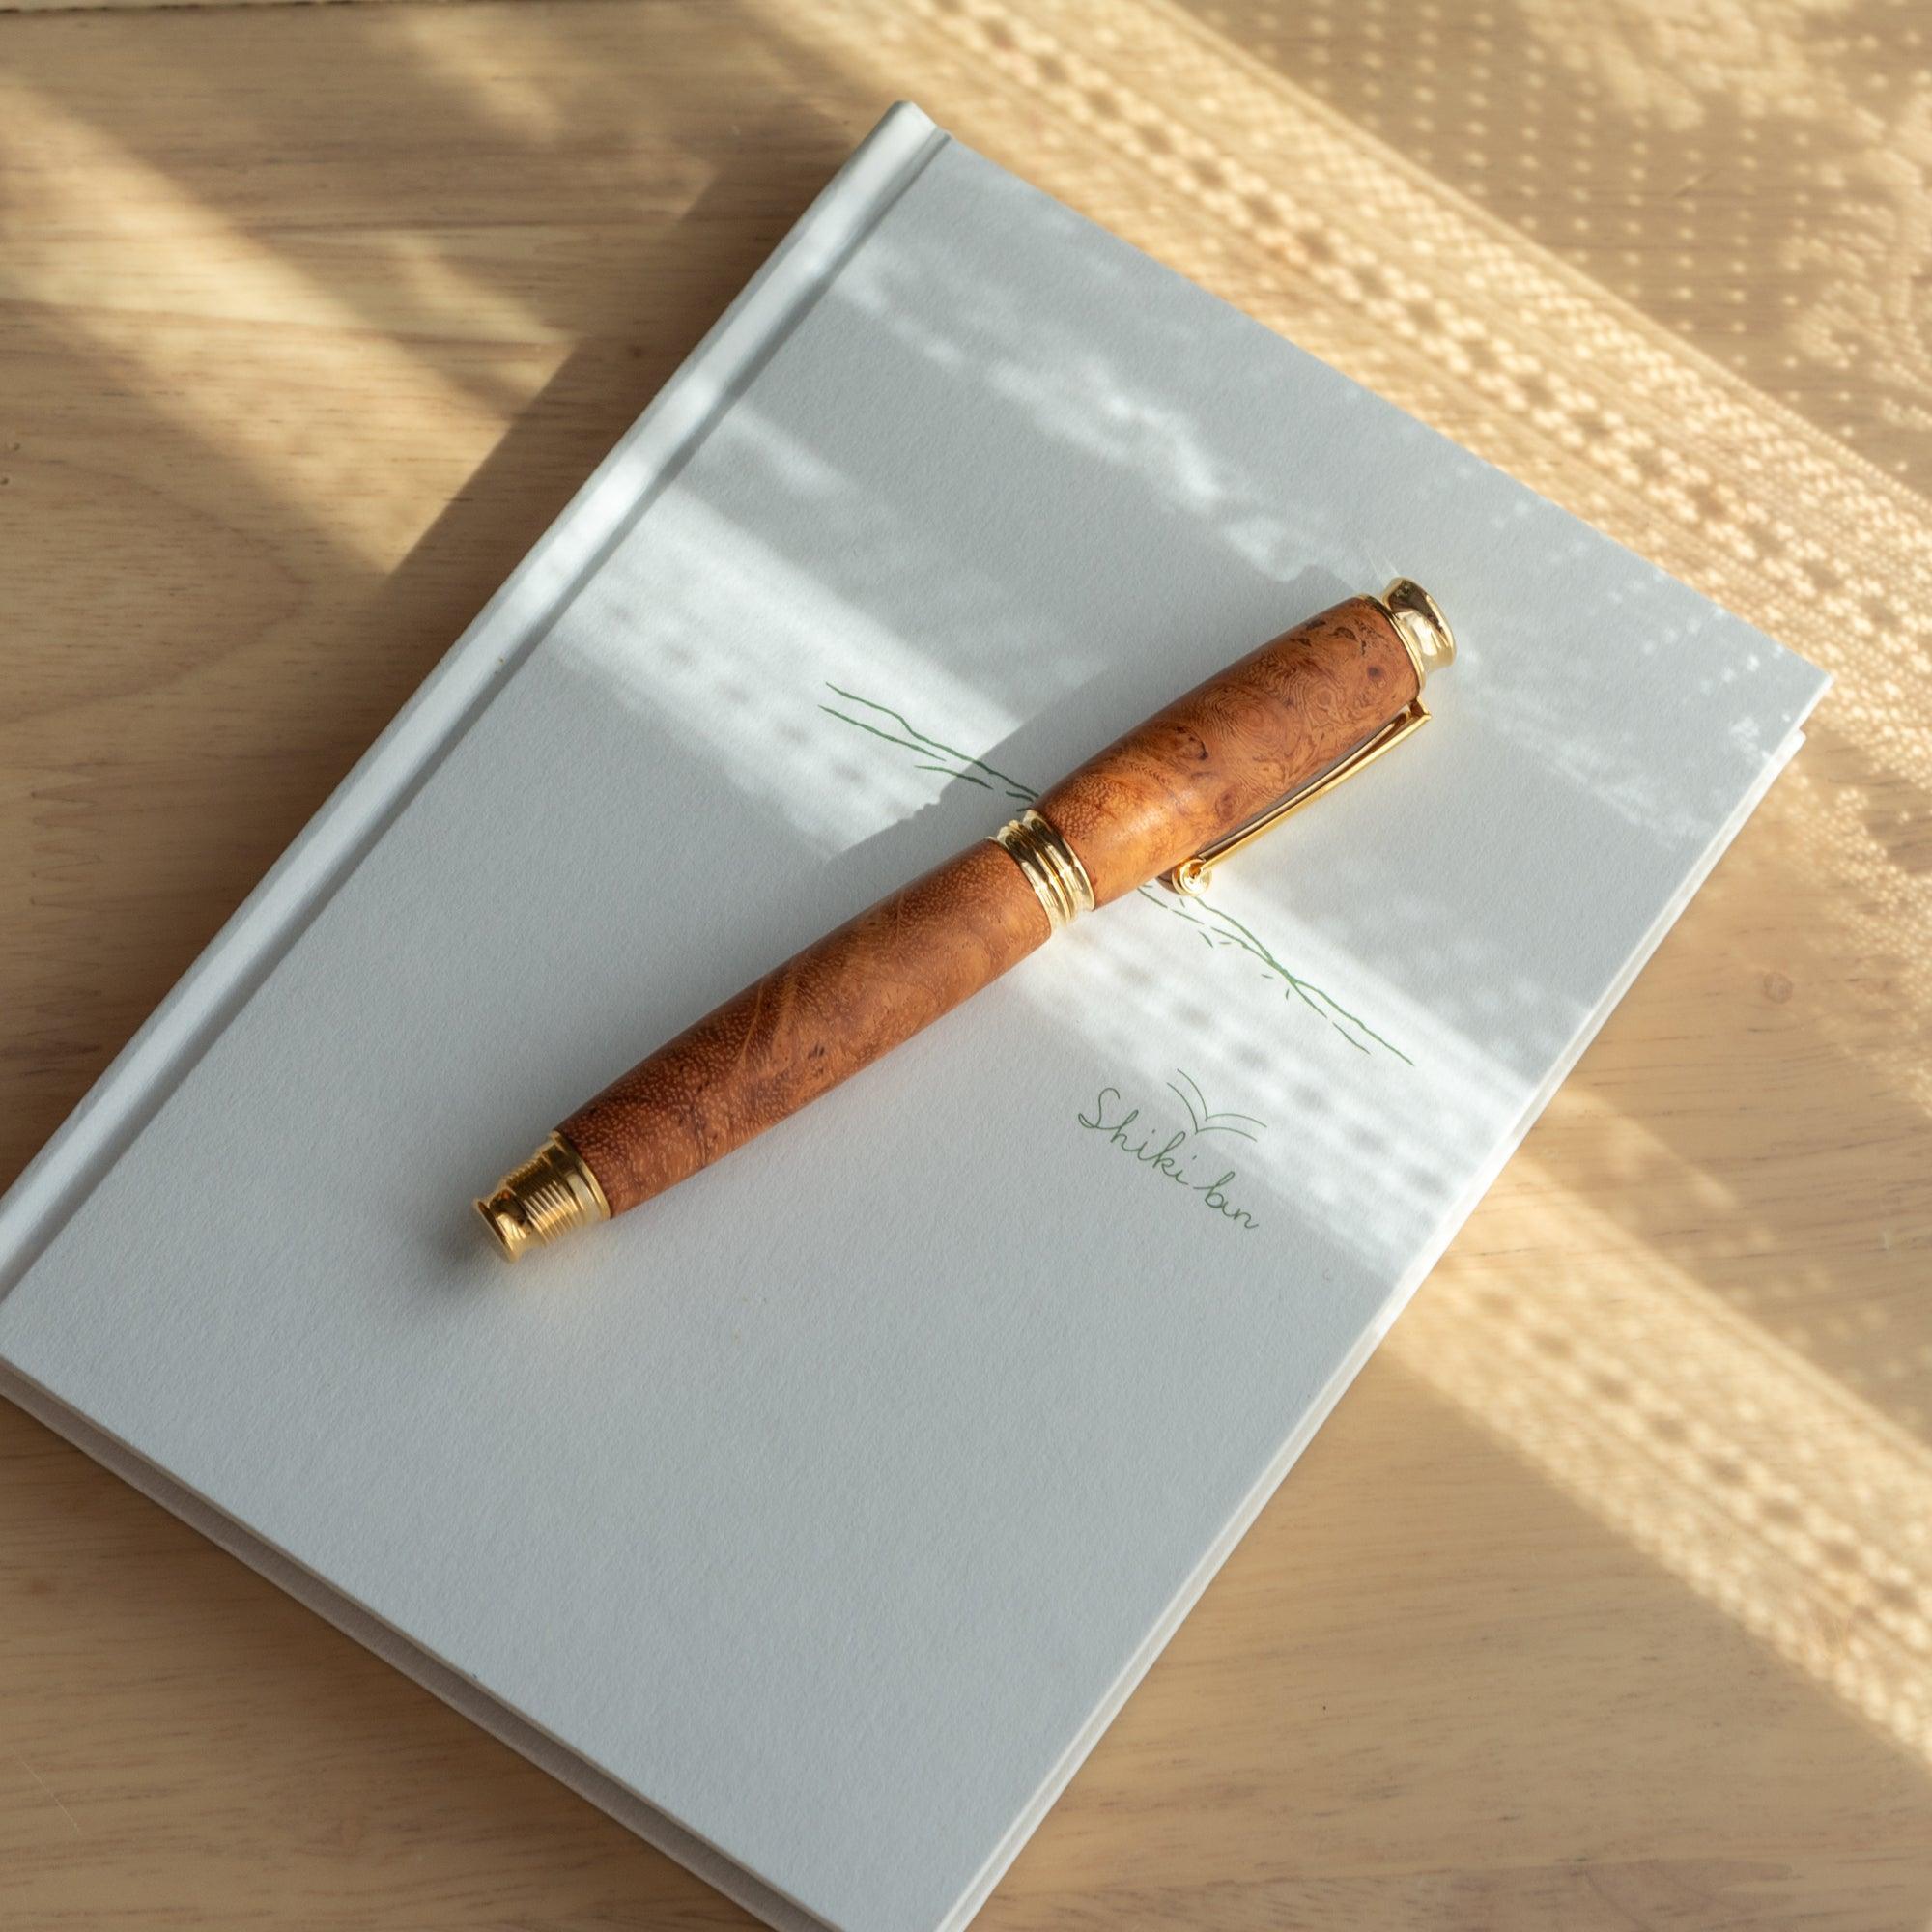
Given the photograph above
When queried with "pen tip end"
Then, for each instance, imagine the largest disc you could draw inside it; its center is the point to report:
(535, 1203)
(507, 1230)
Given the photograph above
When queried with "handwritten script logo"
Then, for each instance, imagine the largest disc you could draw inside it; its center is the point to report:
(1180, 1156)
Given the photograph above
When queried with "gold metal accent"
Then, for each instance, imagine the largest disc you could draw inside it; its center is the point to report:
(1052, 866)
(1190, 876)
(1430, 646)
(1421, 626)
(553, 1192)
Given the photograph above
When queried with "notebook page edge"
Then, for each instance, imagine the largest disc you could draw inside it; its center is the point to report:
(383, 1640)
(1313, 1418)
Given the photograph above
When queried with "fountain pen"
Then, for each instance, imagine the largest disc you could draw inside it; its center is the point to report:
(1205, 776)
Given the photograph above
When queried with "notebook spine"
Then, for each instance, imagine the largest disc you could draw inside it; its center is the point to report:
(471, 675)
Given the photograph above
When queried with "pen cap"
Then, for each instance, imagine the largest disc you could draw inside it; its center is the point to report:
(1230, 747)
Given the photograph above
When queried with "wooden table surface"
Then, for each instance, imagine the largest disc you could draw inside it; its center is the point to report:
(1605, 1599)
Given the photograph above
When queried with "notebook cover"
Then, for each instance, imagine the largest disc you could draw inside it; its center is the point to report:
(815, 1519)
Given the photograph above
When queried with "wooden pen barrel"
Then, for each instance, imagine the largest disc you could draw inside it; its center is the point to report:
(1191, 774)
(1228, 749)
(833, 1008)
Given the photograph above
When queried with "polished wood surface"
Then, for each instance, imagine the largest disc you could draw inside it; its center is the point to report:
(1605, 1598)
(1205, 765)
(821, 1016)
(1199, 769)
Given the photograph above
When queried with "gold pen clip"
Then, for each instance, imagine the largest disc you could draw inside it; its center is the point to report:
(1431, 644)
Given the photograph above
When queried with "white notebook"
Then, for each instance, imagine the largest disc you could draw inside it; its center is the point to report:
(815, 1519)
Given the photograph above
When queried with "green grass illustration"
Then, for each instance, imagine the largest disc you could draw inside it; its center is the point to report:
(954, 763)
(1220, 931)
(1204, 1122)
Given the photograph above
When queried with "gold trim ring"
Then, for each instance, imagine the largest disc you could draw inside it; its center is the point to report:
(553, 1192)
(1051, 866)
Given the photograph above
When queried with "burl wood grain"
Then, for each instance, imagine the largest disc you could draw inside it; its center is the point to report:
(1196, 770)
(1231, 746)
(813, 1022)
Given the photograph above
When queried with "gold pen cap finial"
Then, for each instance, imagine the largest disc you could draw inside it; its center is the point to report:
(1424, 630)
(553, 1192)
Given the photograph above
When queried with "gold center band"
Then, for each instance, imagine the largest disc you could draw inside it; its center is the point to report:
(1051, 866)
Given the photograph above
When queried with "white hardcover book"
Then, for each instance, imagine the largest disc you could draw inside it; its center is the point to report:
(815, 1519)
